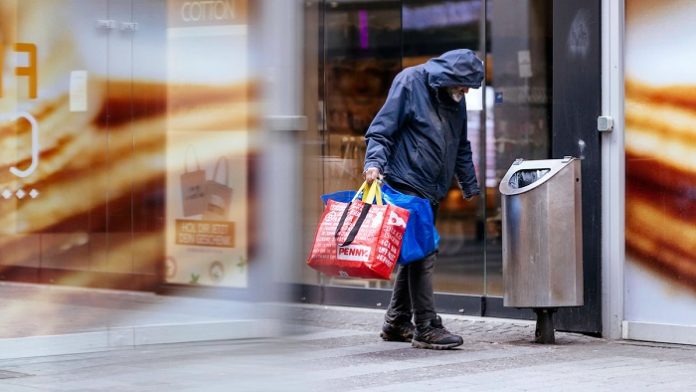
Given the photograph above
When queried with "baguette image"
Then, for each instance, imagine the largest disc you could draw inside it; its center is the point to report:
(99, 197)
(99, 171)
(660, 147)
(662, 236)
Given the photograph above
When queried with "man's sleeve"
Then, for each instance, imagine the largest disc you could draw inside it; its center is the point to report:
(466, 174)
(384, 127)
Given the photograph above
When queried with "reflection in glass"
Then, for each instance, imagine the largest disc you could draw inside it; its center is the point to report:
(519, 73)
(430, 29)
(364, 44)
(362, 54)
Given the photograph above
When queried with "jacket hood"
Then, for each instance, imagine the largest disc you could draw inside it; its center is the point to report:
(458, 67)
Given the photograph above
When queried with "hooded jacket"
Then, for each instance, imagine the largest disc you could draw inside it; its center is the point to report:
(419, 137)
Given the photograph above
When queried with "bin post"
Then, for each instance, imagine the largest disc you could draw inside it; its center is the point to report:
(545, 332)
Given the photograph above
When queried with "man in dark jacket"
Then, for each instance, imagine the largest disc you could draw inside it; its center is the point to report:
(418, 143)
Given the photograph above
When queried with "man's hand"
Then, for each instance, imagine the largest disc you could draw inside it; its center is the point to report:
(371, 174)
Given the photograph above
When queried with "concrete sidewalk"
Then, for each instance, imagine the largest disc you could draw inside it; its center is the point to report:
(42, 320)
(497, 355)
(337, 349)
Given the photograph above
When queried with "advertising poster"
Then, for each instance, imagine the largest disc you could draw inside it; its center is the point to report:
(124, 129)
(82, 139)
(660, 162)
(207, 143)
(206, 209)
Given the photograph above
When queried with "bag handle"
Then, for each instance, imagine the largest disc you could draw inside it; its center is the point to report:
(362, 189)
(374, 196)
(195, 157)
(356, 228)
(371, 194)
(227, 170)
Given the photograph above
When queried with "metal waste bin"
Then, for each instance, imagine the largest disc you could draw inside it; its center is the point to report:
(542, 237)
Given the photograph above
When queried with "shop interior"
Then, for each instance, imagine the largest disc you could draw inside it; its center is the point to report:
(355, 48)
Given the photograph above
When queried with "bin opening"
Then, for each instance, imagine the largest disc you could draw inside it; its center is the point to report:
(522, 178)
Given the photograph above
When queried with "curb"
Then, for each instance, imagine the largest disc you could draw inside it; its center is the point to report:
(114, 338)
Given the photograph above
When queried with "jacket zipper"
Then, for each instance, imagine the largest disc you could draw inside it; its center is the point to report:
(438, 180)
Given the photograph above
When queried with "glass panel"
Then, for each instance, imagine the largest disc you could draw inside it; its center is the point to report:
(518, 105)
(430, 29)
(313, 162)
(148, 203)
(54, 207)
(355, 71)
(362, 49)
(120, 118)
(209, 116)
(364, 45)
(660, 115)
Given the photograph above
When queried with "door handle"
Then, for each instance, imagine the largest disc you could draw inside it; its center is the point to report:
(129, 26)
(34, 143)
(106, 24)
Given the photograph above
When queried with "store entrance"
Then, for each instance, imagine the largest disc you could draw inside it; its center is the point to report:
(364, 44)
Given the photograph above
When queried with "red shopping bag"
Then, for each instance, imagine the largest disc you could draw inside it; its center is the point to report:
(359, 239)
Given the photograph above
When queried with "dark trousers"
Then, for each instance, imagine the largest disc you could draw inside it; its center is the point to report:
(412, 296)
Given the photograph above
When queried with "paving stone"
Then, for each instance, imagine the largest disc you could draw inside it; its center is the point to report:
(338, 349)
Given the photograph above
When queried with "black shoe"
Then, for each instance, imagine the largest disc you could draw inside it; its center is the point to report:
(434, 336)
(397, 332)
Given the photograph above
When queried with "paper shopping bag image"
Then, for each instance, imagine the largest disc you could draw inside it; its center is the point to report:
(218, 194)
(193, 184)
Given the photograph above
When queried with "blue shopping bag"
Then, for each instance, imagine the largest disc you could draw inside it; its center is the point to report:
(421, 237)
